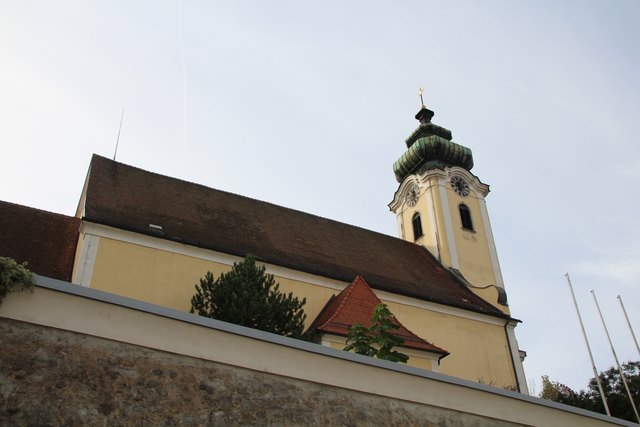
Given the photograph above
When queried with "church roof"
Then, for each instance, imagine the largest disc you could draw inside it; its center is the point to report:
(45, 240)
(356, 304)
(129, 198)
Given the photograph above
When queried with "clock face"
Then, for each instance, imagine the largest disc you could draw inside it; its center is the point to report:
(460, 186)
(412, 195)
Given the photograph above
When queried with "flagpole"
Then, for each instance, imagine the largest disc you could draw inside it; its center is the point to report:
(629, 323)
(615, 356)
(584, 335)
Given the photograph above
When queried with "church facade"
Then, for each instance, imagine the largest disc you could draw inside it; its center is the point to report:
(151, 237)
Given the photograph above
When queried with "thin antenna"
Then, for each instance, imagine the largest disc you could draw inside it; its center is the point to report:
(629, 323)
(118, 139)
(584, 334)
(615, 356)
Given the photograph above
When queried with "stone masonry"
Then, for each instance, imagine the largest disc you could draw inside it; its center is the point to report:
(50, 377)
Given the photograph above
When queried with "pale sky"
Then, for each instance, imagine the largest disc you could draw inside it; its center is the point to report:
(307, 105)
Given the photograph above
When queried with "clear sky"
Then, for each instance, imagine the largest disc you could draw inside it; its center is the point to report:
(307, 105)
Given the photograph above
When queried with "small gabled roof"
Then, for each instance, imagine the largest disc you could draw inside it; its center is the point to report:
(129, 198)
(45, 240)
(355, 305)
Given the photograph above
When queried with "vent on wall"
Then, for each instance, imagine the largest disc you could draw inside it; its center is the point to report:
(156, 228)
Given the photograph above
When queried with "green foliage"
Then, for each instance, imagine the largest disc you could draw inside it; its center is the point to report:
(558, 392)
(14, 277)
(248, 296)
(590, 399)
(378, 340)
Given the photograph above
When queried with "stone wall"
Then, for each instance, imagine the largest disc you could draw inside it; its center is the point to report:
(51, 377)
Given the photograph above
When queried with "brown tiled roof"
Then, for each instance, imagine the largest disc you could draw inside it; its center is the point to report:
(356, 304)
(45, 240)
(130, 198)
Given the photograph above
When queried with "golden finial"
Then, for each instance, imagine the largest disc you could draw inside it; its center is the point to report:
(420, 96)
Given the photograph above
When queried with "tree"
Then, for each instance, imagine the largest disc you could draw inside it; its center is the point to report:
(558, 392)
(614, 390)
(378, 340)
(14, 277)
(248, 296)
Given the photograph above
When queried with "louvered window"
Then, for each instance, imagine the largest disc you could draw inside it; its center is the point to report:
(417, 226)
(465, 217)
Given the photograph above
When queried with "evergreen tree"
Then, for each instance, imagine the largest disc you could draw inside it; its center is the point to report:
(14, 277)
(378, 340)
(248, 296)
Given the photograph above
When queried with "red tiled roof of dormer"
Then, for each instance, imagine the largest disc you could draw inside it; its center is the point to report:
(45, 240)
(356, 304)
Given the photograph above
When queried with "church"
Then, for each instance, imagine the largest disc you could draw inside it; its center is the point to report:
(149, 237)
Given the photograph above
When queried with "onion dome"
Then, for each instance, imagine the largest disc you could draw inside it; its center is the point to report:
(430, 147)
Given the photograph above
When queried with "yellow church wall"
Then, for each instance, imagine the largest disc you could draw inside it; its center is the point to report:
(472, 246)
(433, 231)
(445, 248)
(407, 217)
(428, 215)
(152, 275)
(478, 350)
(77, 257)
(418, 362)
(317, 296)
(168, 279)
(444, 237)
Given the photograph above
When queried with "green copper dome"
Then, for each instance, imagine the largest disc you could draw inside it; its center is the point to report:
(430, 147)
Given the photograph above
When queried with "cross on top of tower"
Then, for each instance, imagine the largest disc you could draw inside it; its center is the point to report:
(424, 115)
(420, 91)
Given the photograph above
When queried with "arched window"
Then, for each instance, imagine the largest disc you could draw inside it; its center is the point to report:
(465, 217)
(417, 226)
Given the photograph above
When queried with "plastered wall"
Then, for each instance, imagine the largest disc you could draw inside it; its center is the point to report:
(478, 350)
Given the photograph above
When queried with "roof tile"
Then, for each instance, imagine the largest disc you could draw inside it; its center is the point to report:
(45, 240)
(355, 305)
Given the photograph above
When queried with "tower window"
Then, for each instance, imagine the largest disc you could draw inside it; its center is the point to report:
(417, 226)
(465, 217)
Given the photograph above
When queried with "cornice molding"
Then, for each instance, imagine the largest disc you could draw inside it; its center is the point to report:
(473, 181)
(399, 197)
(443, 176)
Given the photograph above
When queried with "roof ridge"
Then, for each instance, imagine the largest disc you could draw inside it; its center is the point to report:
(349, 290)
(364, 283)
(367, 287)
(38, 209)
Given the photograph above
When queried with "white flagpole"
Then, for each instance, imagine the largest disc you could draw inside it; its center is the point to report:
(584, 334)
(624, 379)
(629, 323)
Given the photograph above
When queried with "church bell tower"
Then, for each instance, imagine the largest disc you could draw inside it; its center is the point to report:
(440, 205)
